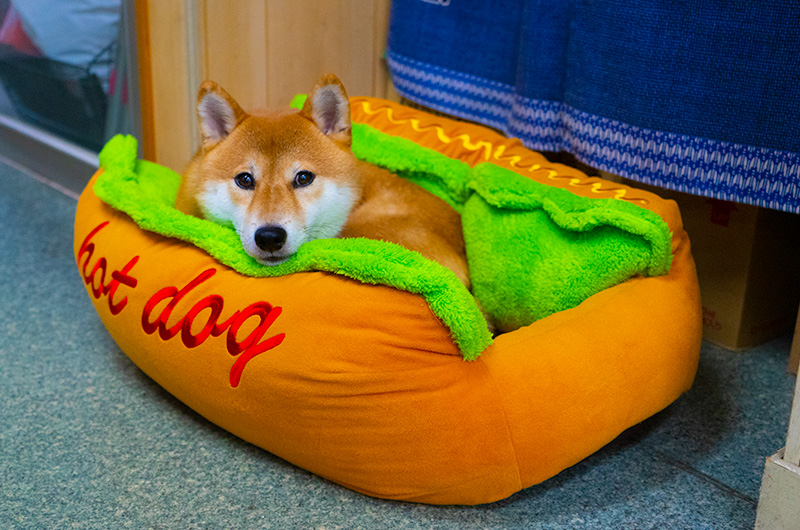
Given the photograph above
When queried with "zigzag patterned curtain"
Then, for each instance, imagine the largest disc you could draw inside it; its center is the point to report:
(701, 97)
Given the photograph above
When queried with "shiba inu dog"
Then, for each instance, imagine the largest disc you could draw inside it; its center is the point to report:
(285, 177)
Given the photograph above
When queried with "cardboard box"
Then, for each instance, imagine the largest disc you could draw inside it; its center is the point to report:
(748, 266)
(747, 263)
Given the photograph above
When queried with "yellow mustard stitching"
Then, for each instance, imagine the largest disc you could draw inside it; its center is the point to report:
(490, 151)
(513, 160)
(415, 124)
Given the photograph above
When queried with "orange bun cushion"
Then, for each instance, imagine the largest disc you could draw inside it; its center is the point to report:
(362, 384)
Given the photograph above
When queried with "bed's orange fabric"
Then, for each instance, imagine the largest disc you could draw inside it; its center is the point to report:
(362, 384)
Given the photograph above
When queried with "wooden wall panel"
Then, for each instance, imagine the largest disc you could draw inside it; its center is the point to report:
(171, 107)
(261, 51)
(381, 84)
(144, 63)
(308, 38)
(235, 35)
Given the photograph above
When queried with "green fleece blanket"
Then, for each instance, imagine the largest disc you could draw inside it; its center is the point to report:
(532, 249)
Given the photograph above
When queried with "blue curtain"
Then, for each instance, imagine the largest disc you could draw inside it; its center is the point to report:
(698, 96)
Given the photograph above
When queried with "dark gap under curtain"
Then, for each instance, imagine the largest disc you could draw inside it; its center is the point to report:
(696, 96)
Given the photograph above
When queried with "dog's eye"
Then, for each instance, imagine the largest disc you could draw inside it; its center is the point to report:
(303, 178)
(245, 181)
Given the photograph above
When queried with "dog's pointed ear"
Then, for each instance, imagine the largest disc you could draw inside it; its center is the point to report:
(329, 108)
(217, 113)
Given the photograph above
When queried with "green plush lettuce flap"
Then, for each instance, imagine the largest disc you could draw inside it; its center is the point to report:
(146, 192)
(534, 249)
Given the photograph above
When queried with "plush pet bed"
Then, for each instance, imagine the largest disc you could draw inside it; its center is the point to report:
(371, 366)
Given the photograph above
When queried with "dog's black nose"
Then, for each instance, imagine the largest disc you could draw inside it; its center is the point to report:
(270, 238)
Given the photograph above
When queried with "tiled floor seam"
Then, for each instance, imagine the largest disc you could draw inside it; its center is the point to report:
(683, 466)
(38, 177)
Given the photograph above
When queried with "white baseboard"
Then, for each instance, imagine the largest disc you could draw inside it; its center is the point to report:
(779, 501)
(59, 163)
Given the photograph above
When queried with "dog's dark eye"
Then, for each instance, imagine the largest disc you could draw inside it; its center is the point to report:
(245, 181)
(303, 178)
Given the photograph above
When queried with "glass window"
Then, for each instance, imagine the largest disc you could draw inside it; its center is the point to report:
(65, 68)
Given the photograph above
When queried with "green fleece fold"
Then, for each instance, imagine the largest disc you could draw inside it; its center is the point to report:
(532, 249)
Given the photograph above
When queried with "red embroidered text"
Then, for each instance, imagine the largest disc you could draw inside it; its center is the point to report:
(96, 278)
(246, 348)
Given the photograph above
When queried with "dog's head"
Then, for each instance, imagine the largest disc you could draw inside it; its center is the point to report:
(280, 177)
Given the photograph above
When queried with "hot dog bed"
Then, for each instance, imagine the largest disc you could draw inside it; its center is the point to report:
(368, 365)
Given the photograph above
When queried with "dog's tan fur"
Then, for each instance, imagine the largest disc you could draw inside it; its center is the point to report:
(347, 198)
